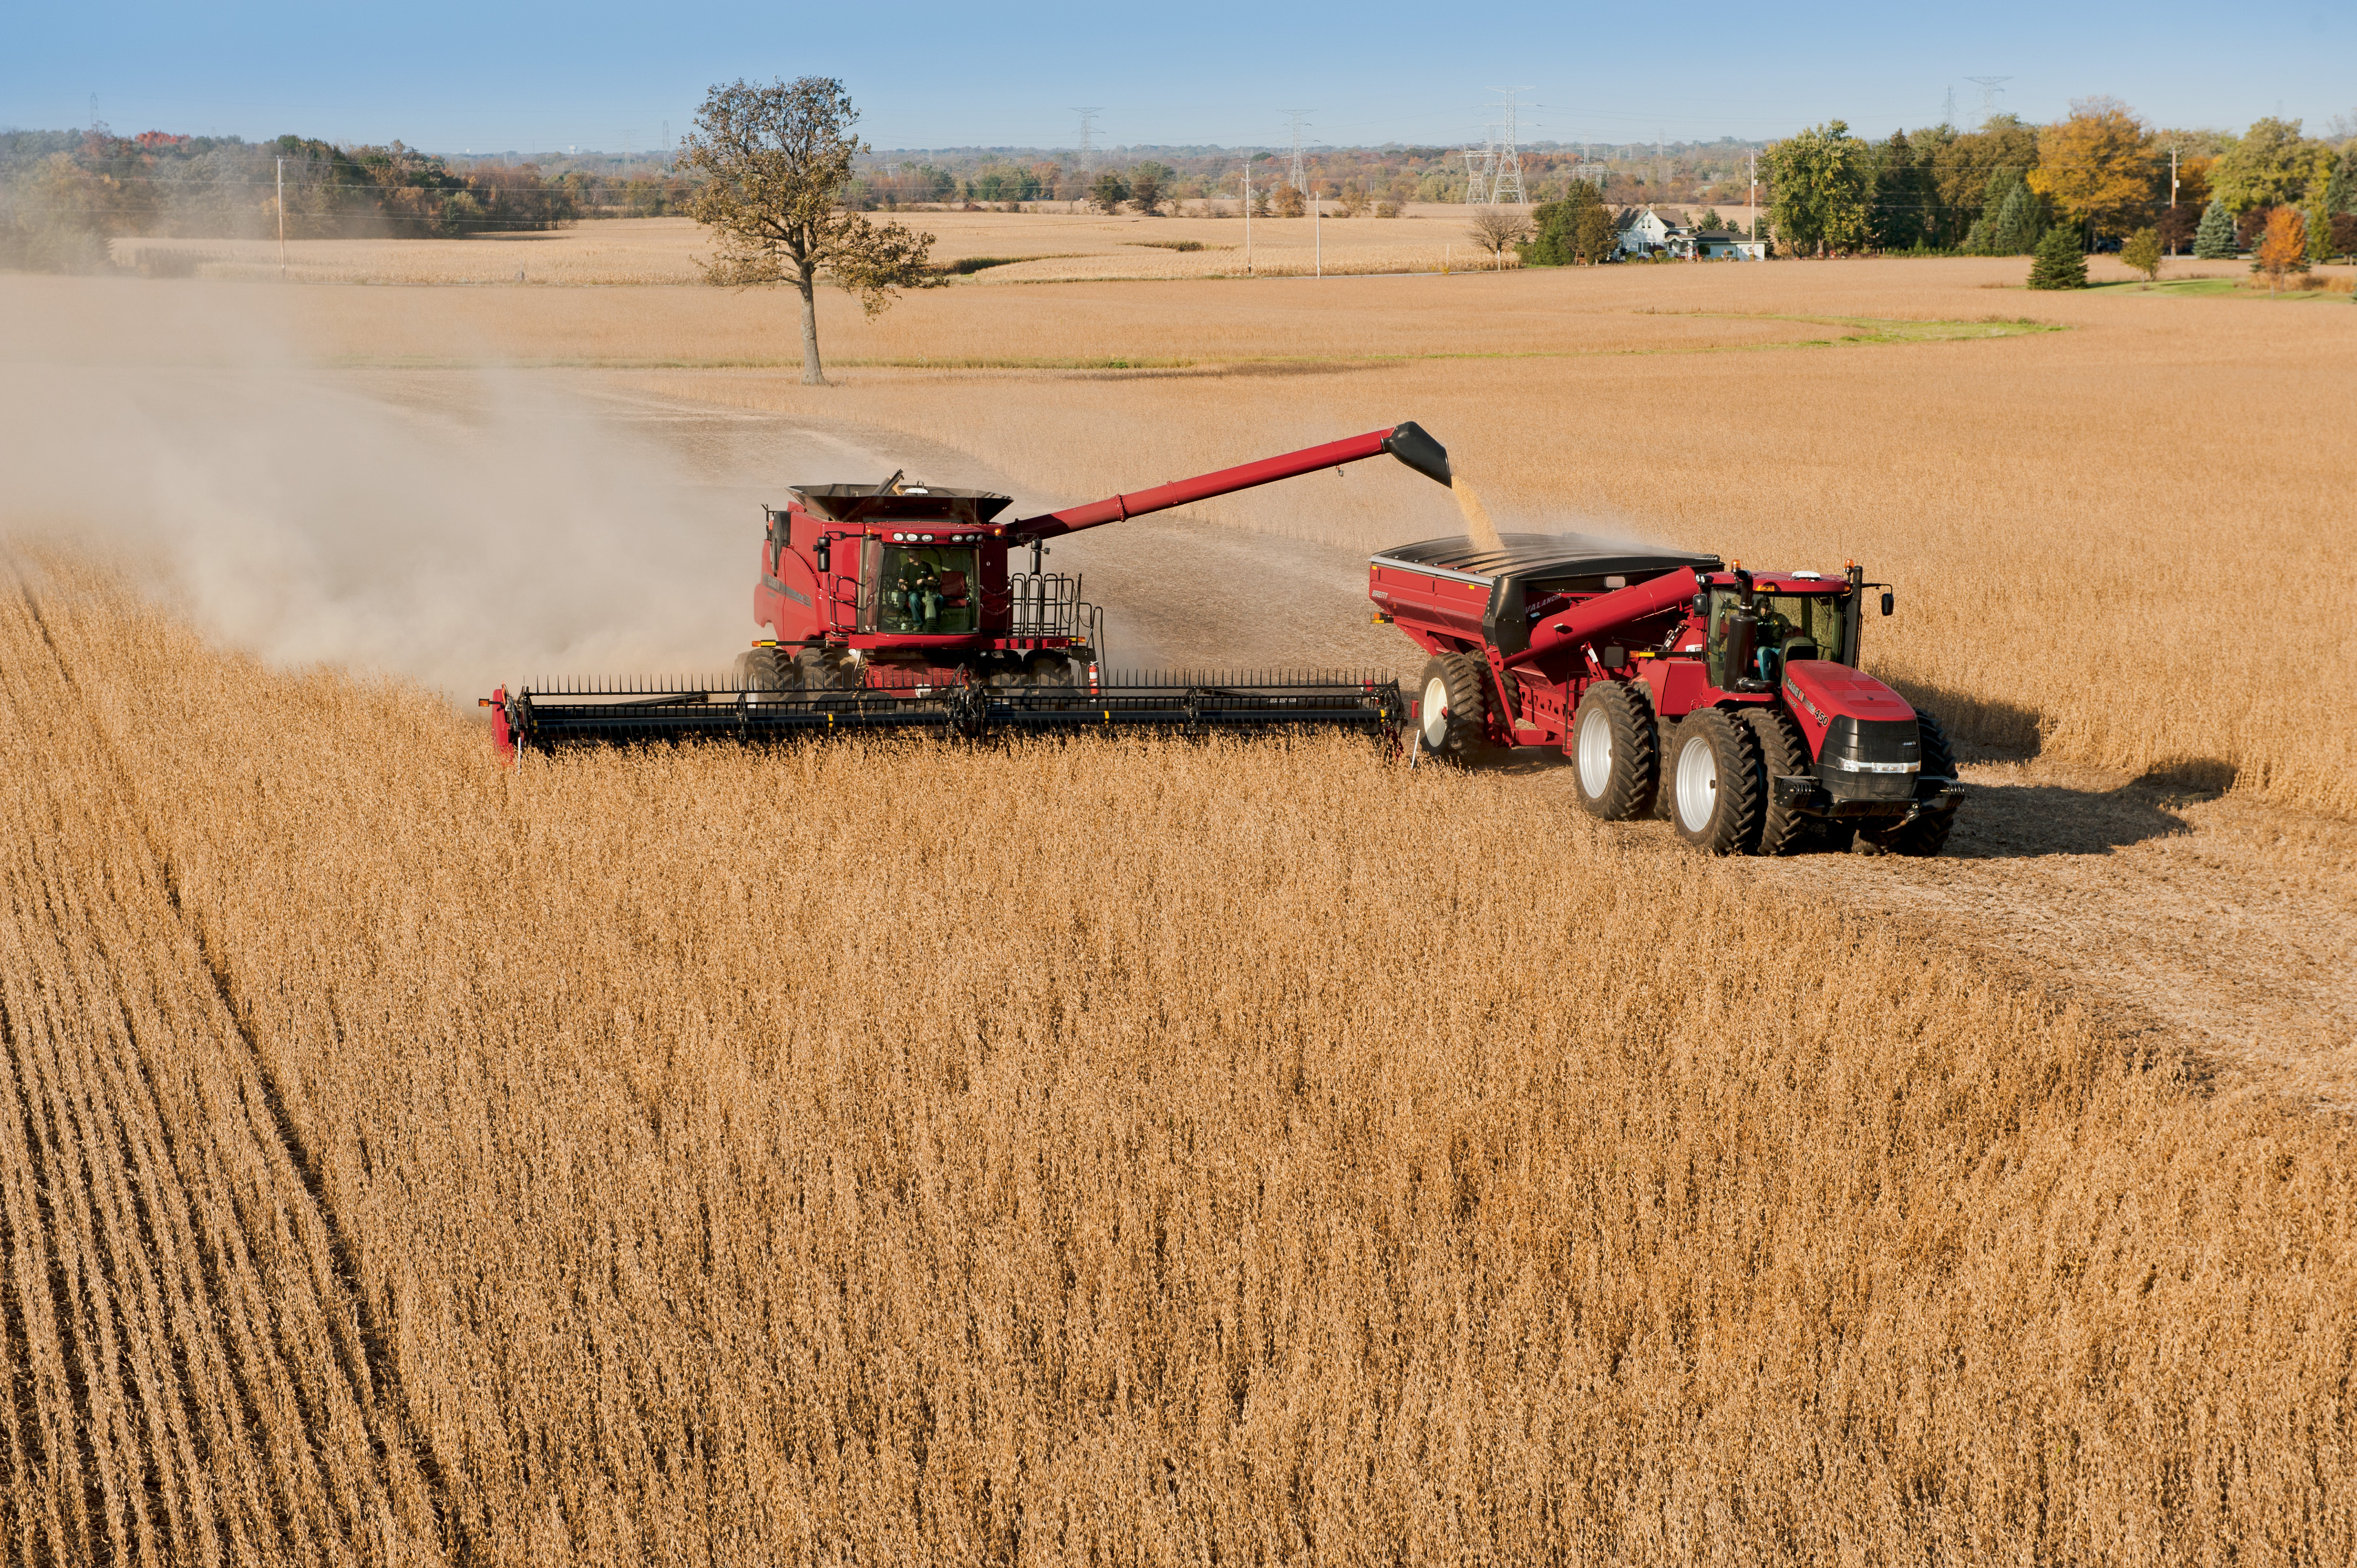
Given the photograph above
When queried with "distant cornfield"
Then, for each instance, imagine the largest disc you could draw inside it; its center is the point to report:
(1126, 1152)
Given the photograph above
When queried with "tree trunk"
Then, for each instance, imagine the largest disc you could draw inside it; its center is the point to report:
(811, 375)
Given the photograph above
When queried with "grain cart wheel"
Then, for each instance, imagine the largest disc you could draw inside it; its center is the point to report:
(1715, 783)
(1613, 750)
(1665, 745)
(1452, 709)
(1926, 834)
(1783, 753)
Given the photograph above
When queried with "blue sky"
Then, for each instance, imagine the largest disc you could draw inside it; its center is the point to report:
(491, 77)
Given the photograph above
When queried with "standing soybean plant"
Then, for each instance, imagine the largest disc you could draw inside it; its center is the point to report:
(775, 161)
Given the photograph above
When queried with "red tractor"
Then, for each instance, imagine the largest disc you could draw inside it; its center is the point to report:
(1730, 702)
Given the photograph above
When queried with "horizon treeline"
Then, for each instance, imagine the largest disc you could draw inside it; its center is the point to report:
(64, 194)
(2102, 171)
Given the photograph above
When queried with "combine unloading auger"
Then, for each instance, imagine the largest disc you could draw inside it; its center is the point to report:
(896, 606)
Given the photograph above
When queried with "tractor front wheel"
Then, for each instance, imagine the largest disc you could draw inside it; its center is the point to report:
(1715, 775)
(1452, 713)
(1783, 753)
(1925, 835)
(1613, 750)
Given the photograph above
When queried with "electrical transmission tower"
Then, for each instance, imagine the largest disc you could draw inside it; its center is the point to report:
(1505, 158)
(1297, 178)
(1088, 140)
(1989, 86)
(1477, 173)
(1948, 115)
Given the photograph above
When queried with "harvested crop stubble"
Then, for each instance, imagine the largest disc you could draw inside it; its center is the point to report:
(1055, 1152)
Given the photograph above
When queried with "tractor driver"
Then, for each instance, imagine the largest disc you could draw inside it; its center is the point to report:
(921, 591)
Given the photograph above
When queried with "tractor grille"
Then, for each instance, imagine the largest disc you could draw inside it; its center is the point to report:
(1870, 759)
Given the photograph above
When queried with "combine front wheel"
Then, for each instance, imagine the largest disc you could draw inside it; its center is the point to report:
(1451, 710)
(1715, 783)
(1613, 750)
(764, 670)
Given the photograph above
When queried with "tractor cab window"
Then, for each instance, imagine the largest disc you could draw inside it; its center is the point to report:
(927, 590)
(1806, 626)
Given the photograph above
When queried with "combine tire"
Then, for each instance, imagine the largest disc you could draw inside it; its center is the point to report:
(1453, 708)
(1782, 752)
(1927, 834)
(1613, 750)
(1714, 783)
(817, 669)
(764, 670)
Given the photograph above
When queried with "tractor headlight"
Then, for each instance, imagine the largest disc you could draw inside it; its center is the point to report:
(1853, 765)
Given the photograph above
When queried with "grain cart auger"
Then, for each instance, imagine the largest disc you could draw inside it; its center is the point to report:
(1730, 702)
(895, 605)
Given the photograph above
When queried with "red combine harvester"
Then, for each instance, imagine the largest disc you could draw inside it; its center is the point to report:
(894, 606)
(1729, 701)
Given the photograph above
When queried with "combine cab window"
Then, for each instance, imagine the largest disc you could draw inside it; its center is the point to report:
(927, 591)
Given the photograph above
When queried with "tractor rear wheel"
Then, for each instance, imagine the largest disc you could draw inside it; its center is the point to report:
(1783, 751)
(1453, 711)
(1612, 752)
(1927, 834)
(1715, 783)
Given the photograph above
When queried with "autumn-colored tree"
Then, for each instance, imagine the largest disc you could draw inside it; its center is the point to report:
(1962, 168)
(2142, 253)
(776, 161)
(2284, 247)
(2095, 167)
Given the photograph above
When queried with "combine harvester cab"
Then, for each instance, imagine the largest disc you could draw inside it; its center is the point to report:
(902, 606)
(1730, 702)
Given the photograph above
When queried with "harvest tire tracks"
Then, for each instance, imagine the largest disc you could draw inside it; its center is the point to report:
(176, 1275)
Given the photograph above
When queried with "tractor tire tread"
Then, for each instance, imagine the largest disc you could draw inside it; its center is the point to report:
(1926, 835)
(1733, 826)
(1782, 750)
(1635, 776)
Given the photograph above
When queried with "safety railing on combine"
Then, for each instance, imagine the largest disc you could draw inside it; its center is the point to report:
(1049, 603)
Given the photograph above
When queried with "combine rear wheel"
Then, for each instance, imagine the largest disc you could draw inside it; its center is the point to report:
(1715, 783)
(1783, 751)
(1613, 750)
(1926, 834)
(1452, 711)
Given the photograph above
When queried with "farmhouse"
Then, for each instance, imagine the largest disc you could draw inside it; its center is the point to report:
(1648, 234)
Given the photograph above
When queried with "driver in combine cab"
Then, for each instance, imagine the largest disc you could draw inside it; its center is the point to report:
(920, 593)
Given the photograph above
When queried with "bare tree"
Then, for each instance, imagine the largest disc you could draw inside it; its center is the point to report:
(1495, 228)
(775, 161)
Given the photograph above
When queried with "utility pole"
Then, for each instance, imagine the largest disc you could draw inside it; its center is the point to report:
(281, 220)
(1316, 239)
(1755, 194)
(1248, 271)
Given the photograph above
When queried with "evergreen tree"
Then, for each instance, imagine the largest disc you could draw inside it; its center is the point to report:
(1900, 196)
(2061, 263)
(1977, 238)
(2214, 239)
(2018, 223)
(1555, 242)
(2341, 186)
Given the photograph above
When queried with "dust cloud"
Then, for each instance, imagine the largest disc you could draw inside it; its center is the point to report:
(460, 528)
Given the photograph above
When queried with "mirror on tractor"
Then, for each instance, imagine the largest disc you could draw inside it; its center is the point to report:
(1888, 600)
(819, 550)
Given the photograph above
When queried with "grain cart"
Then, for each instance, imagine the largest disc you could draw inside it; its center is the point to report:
(899, 606)
(1729, 701)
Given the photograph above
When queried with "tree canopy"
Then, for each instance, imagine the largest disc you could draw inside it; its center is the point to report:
(2095, 167)
(1820, 179)
(2269, 166)
(777, 162)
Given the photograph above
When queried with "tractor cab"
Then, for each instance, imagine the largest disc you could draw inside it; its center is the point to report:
(1756, 622)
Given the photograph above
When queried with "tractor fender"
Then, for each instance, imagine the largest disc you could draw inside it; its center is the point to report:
(1818, 692)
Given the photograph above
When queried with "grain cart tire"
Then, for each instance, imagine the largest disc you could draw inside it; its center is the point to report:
(1714, 779)
(1453, 707)
(1614, 764)
(1665, 743)
(764, 670)
(1927, 834)
(1783, 753)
